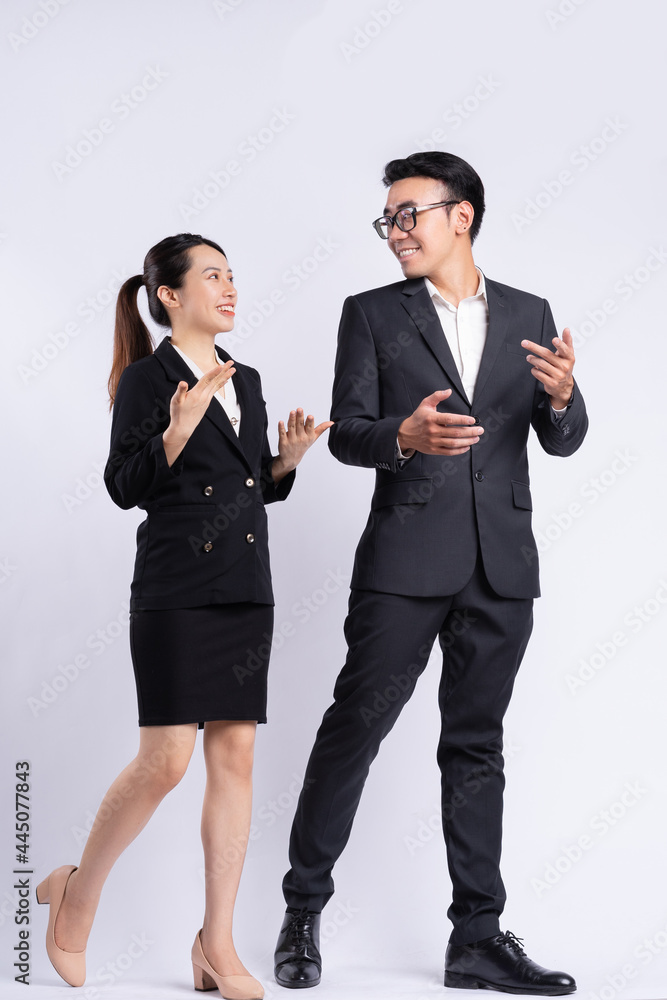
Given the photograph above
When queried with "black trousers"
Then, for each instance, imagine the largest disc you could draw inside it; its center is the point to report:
(390, 637)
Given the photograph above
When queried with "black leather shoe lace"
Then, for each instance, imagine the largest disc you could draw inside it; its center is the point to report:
(514, 942)
(301, 929)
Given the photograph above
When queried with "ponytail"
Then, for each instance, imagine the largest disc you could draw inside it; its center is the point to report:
(166, 263)
(132, 339)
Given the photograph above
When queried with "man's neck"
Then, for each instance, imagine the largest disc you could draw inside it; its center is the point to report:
(457, 281)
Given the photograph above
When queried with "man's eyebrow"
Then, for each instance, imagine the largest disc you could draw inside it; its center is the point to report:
(401, 204)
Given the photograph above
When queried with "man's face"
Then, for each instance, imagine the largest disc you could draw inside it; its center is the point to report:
(426, 248)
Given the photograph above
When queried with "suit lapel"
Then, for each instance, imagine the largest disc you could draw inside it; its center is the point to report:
(247, 399)
(499, 317)
(178, 371)
(419, 306)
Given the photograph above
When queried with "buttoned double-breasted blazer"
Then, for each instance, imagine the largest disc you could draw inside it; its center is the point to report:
(205, 536)
(431, 514)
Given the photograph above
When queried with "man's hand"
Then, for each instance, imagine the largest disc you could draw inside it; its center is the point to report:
(434, 433)
(554, 369)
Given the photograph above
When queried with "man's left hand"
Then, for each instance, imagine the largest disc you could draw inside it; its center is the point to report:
(553, 368)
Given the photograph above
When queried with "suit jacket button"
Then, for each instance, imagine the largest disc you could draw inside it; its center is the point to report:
(208, 546)
(208, 491)
(250, 538)
(476, 418)
(250, 482)
(479, 477)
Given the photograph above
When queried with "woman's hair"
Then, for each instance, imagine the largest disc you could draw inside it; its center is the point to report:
(166, 263)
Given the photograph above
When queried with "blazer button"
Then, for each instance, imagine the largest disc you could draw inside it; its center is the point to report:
(250, 482)
(208, 491)
(479, 477)
(476, 418)
(250, 538)
(208, 546)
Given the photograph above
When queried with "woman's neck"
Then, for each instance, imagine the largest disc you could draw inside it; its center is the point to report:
(199, 347)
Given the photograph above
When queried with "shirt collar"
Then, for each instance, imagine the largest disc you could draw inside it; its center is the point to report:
(480, 293)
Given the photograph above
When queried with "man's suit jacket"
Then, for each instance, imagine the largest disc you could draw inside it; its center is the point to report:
(205, 538)
(430, 514)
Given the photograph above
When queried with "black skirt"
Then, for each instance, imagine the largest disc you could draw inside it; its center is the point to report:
(201, 664)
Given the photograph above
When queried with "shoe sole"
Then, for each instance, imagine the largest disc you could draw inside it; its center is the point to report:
(298, 986)
(456, 981)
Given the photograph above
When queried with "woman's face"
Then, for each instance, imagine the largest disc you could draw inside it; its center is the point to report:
(206, 300)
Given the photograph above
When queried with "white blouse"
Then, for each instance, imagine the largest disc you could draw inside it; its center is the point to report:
(225, 396)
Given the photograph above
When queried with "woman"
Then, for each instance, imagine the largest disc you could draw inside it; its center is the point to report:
(189, 446)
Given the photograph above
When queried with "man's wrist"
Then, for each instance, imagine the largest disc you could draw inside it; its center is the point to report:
(562, 401)
(404, 447)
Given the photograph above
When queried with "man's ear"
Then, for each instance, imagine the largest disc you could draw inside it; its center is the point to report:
(465, 213)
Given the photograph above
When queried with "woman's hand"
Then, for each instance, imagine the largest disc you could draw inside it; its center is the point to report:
(294, 441)
(188, 406)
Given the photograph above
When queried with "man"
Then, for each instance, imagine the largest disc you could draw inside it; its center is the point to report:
(438, 380)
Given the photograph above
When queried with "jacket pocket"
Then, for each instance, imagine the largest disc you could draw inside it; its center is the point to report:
(516, 349)
(521, 495)
(404, 491)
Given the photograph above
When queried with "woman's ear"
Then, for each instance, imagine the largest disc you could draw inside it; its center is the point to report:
(168, 297)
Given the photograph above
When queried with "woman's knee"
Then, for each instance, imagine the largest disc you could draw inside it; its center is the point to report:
(229, 748)
(162, 762)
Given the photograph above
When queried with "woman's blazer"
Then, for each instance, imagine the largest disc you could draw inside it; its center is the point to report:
(205, 537)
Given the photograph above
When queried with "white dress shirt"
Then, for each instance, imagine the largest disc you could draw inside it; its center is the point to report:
(465, 328)
(225, 396)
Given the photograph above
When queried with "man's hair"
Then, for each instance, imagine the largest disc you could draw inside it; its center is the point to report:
(458, 178)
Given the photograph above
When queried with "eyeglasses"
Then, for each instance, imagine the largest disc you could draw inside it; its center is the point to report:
(405, 219)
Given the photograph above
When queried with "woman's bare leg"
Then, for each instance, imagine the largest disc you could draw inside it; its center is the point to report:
(163, 757)
(226, 815)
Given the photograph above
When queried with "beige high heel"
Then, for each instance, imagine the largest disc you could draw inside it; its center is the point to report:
(231, 987)
(70, 965)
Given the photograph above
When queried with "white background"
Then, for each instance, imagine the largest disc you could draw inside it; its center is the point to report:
(523, 93)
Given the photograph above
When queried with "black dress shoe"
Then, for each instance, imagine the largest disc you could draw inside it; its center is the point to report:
(500, 963)
(298, 960)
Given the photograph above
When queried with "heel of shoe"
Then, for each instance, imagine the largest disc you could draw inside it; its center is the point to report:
(42, 891)
(203, 982)
(458, 981)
